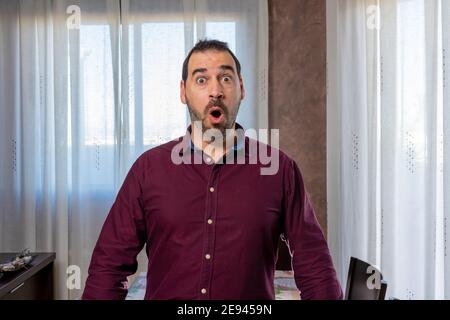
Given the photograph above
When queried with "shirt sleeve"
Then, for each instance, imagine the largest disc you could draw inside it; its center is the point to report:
(121, 239)
(314, 272)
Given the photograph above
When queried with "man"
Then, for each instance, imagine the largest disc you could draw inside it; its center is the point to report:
(210, 222)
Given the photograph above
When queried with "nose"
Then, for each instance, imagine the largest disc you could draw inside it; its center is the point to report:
(216, 90)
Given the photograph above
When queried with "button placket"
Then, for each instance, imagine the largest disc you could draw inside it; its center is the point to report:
(208, 244)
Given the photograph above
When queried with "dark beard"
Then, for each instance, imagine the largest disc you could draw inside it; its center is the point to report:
(229, 123)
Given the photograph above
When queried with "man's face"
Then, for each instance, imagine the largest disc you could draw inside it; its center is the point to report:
(213, 90)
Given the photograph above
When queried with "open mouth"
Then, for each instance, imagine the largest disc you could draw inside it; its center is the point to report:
(216, 114)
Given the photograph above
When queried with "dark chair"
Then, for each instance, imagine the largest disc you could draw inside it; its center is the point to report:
(357, 287)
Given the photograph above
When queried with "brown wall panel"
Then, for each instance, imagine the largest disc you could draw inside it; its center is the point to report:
(297, 87)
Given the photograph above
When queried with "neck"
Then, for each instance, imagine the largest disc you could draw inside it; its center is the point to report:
(215, 143)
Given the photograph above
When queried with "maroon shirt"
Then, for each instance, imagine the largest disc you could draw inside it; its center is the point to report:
(211, 230)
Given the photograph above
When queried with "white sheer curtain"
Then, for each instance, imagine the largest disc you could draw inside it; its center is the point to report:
(388, 118)
(78, 103)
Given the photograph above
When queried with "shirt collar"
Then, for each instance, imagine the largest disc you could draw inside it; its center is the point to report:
(238, 146)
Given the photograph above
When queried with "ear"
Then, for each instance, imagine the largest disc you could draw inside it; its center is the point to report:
(241, 84)
(183, 92)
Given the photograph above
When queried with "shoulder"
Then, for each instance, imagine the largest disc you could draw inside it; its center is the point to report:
(154, 157)
(161, 151)
(268, 153)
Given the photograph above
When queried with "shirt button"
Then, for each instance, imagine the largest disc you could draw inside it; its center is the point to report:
(210, 221)
(208, 256)
(203, 291)
(211, 189)
(208, 159)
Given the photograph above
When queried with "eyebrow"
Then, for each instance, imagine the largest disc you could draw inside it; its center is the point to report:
(199, 70)
(227, 67)
(223, 67)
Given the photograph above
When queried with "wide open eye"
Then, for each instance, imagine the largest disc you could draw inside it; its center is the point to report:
(226, 79)
(201, 80)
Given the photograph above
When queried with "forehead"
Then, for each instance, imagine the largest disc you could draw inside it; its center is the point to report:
(210, 60)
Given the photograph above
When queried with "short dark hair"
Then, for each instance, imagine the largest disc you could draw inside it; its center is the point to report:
(204, 45)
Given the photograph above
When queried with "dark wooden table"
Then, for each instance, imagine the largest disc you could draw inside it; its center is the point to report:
(33, 282)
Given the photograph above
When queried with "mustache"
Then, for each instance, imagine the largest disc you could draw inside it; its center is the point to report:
(216, 103)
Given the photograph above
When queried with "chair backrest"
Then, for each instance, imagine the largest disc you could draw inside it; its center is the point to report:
(359, 284)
